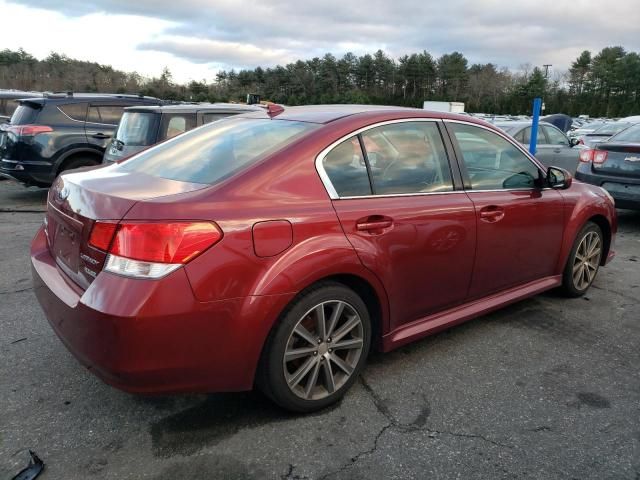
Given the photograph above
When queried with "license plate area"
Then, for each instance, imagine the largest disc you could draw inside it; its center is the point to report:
(65, 236)
(66, 247)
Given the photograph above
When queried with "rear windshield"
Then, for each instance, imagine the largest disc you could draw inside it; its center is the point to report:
(138, 129)
(24, 115)
(215, 151)
(631, 134)
(611, 128)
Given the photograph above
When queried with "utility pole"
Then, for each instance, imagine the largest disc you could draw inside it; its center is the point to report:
(546, 76)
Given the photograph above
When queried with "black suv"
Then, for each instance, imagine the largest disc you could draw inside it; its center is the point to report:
(141, 127)
(59, 132)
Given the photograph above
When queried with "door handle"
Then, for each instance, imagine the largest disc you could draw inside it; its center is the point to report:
(101, 136)
(491, 214)
(374, 224)
(557, 150)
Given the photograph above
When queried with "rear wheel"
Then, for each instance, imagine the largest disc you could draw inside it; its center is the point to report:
(77, 162)
(317, 350)
(584, 261)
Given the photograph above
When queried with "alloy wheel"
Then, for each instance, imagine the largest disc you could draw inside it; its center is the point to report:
(323, 350)
(586, 260)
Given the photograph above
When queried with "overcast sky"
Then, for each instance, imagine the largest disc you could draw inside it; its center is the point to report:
(196, 38)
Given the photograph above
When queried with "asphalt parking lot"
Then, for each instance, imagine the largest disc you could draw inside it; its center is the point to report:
(547, 388)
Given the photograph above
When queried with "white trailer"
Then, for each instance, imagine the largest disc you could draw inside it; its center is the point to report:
(451, 107)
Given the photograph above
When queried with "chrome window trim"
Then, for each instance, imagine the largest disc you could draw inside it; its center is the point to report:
(324, 177)
(70, 118)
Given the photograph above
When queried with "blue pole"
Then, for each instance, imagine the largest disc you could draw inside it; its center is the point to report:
(537, 106)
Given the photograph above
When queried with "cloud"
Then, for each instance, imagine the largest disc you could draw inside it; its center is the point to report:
(228, 54)
(248, 33)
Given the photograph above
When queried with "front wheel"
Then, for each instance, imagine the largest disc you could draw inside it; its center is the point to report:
(317, 350)
(584, 261)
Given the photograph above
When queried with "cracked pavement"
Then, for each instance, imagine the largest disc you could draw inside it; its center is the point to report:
(546, 388)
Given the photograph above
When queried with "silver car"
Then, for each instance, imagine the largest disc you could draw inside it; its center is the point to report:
(553, 148)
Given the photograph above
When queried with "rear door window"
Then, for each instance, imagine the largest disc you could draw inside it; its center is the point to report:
(75, 111)
(176, 123)
(526, 137)
(105, 114)
(556, 137)
(407, 158)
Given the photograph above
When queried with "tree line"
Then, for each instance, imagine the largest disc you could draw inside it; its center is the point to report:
(604, 84)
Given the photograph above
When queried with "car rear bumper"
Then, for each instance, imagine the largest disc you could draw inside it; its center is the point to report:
(624, 190)
(29, 173)
(152, 336)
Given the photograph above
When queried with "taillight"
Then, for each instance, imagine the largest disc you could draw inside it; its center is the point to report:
(29, 130)
(152, 249)
(586, 156)
(102, 234)
(599, 157)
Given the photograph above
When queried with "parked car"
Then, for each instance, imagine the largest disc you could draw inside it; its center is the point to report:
(615, 166)
(60, 132)
(142, 126)
(603, 133)
(586, 127)
(552, 148)
(277, 248)
(8, 102)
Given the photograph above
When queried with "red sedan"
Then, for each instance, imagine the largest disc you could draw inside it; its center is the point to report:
(277, 248)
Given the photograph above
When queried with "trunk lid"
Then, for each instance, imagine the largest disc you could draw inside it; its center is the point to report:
(623, 160)
(77, 200)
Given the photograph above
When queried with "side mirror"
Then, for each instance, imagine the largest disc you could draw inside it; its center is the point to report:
(559, 178)
(574, 141)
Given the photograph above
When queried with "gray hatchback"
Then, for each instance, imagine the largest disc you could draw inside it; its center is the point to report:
(141, 127)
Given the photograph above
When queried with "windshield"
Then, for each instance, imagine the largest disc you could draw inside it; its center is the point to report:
(611, 128)
(631, 134)
(592, 126)
(215, 151)
(137, 129)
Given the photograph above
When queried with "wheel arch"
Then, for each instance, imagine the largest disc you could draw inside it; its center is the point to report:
(605, 227)
(375, 300)
(71, 155)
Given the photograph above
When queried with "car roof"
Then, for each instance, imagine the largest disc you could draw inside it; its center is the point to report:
(197, 107)
(521, 123)
(18, 94)
(328, 113)
(71, 97)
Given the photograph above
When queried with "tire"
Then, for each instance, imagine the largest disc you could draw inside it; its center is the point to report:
(315, 373)
(579, 274)
(77, 162)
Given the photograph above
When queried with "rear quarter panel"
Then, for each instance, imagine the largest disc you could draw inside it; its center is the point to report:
(283, 188)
